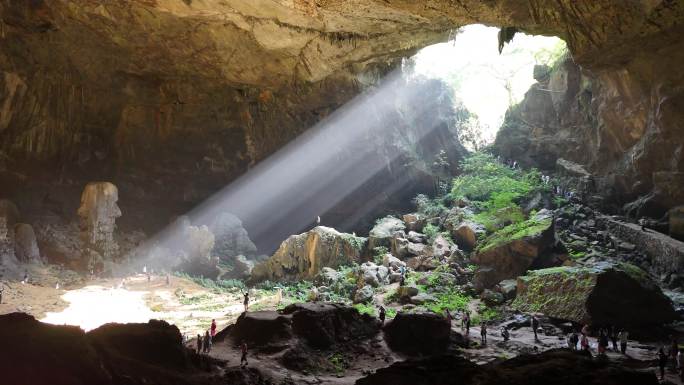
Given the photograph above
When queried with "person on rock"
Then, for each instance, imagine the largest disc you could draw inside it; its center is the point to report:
(243, 358)
(534, 322)
(623, 340)
(505, 334)
(613, 338)
(246, 301)
(574, 340)
(381, 315)
(207, 342)
(662, 362)
(200, 344)
(483, 332)
(213, 328)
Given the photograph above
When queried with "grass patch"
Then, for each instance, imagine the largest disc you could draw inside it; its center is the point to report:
(452, 299)
(365, 309)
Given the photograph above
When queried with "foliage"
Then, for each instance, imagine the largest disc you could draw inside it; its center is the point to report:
(429, 207)
(430, 231)
(515, 231)
(194, 300)
(452, 299)
(298, 291)
(365, 309)
(378, 254)
(338, 362)
(485, 313)
(550, 56)
(390, 312)
(356, 242)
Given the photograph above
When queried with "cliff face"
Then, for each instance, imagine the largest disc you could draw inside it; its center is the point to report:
(188, 94)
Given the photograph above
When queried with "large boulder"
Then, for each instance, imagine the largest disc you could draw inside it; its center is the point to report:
(441, 247)
(384, 232)
(242, 268)
(466, 234)
(25, 245)
(418, 333)
(231, 238)
(414, 221)
(303, 256)
(511, 251)
(261, 329)
(604, 293)
(364, 294)
(372, 274)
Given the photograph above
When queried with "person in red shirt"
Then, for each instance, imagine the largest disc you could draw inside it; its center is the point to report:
(213, 328)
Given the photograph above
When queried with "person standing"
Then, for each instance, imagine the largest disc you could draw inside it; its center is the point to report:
(584, 343)
(207, 342)
(200, 344)
(483, 332)
(2, 288)
(466, 322)
(243, 358)
(613, 338)
(662, 362)
(213, 328)
(381, 315)
(246, 301)
(534, 322)
(623, 340)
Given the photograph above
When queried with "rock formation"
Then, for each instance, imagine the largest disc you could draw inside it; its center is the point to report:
(603, 294)
(231, 239)
(98, 213)
(25, 245)
(303, 256)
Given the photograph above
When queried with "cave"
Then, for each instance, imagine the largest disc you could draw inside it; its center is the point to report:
(362, 191)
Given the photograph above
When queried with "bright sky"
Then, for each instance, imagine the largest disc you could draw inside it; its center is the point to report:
(472, 65)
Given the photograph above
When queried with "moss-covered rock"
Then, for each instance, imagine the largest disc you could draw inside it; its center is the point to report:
(511, 251)
(604, 293)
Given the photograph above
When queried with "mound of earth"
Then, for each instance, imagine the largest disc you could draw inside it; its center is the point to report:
(418, 333)
(558, 367)
(113, 354)
(604, 293)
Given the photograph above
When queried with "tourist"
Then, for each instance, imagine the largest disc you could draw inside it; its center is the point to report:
(2, 288)
(534, 322)
(623, 340)
(381, 315)
(613, 338)
(26, 278)
(662, 362)
(402, 280)
(213, 328)
(246, 301)
(243, 359)
(584, 343)
(466, 322)
(574, 340)
(207, 342)
(602, 342)
(483, 332)
(505, 334)
(200, 344)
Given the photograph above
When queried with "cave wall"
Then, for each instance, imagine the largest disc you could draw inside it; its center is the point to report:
(172, 99)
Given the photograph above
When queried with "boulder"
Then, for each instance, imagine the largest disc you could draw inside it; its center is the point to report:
(321, 325)
(492, 298)
(416, 237)
(328, 277)
(392, 263)
(364, 294)
(261, 329)
(383, 233)
(242, 268)
(600, 294)
(416, 249)
(98, 213)
(418, 333)
(303, 256)
(511, 251)
(372, 274)
(422, 298)
(399, 245)
(466, 234)
(422, 263)
(441, 247)
(25, 245)
(508, 288)
(231, 238)
(406, 292)
(414, 222)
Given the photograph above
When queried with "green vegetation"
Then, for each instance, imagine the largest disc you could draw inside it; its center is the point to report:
(430, 231)
(219, 285)
(338, 362)
(356, 242)
(365, 309)
(452, 299)
(530, 227)
(391, 313)
(429, 207)
(378, 254)
(194, 300)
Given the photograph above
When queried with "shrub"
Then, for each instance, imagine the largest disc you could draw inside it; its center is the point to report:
(365, 309)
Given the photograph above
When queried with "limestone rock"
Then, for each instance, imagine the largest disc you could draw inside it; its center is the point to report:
(416, 249)
(327, 276)
(364, 294)
(492, 298)
(303, 256)
(422, 263)
(466, 235)
(508, 288)
(600, 294)
(392, 263)
(422, 298)
(441, 247)
(372, 274)
(25, 245)
(416, 237)
(242, 268)
(98, 212)
(418, 333)
(383, 233)
(414, 222)
(406, 292)
(506, 256)
(231, 239)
